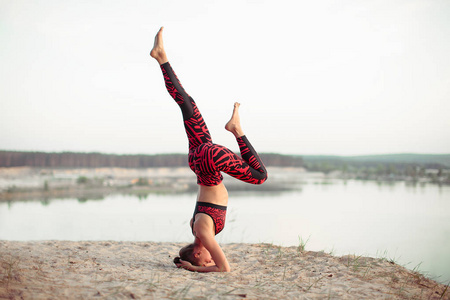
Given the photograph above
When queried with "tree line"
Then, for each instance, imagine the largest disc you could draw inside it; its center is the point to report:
(371, 167)
(98, 160)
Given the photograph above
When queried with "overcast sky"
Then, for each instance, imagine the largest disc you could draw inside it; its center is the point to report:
(313, 77)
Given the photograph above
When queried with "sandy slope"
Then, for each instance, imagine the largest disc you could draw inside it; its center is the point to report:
(144, 270)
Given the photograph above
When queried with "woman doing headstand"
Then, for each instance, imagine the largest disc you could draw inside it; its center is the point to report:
(207, 160)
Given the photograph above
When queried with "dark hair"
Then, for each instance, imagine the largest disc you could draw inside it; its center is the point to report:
(187, 254)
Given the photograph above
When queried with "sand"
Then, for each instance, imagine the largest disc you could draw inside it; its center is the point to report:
(144, 270)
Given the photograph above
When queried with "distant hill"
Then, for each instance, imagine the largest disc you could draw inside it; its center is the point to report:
(98, 160)
(400, 158)
(95, 160)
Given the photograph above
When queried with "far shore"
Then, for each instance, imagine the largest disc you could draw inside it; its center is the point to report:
(26, 183)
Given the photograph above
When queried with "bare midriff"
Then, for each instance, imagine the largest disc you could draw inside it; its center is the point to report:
(216, 194)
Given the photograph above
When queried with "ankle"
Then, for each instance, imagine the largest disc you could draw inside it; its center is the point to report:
(238, 133)
(162, 60)
(159, 56)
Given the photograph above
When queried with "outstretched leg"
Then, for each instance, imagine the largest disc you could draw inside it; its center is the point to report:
(195, 126)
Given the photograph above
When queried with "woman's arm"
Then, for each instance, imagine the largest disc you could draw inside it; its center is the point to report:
(188, 266)
(207, 239)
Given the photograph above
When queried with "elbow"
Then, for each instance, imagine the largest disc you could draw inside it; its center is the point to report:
(225, 270)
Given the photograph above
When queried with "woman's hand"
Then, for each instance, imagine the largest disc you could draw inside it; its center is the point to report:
(190, 267)
(183, 264)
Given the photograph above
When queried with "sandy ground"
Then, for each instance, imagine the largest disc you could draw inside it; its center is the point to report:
(144, 270)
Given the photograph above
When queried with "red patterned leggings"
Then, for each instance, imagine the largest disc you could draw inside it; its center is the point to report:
(206, 159)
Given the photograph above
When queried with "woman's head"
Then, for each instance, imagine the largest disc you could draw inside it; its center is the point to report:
(197, 256)
(187, 254)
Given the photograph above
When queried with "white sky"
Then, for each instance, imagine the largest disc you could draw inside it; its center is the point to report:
(313, 77)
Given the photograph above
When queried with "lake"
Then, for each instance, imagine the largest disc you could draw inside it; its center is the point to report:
(408, 224)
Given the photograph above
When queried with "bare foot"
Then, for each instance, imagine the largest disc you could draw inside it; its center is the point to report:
(158, 51)
(234, 125)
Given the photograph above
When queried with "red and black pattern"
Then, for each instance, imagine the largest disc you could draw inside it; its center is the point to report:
(206, 159)
(216, 212)
(196, 129)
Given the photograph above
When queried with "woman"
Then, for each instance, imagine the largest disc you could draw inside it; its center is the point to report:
(207, 160)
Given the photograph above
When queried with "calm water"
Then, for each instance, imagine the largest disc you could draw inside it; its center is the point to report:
(408, 224)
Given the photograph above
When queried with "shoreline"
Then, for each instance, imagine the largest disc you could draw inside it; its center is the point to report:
(144, 270)
(26, 183)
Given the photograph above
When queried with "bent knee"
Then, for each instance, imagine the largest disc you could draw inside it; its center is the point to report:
(261, 178)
